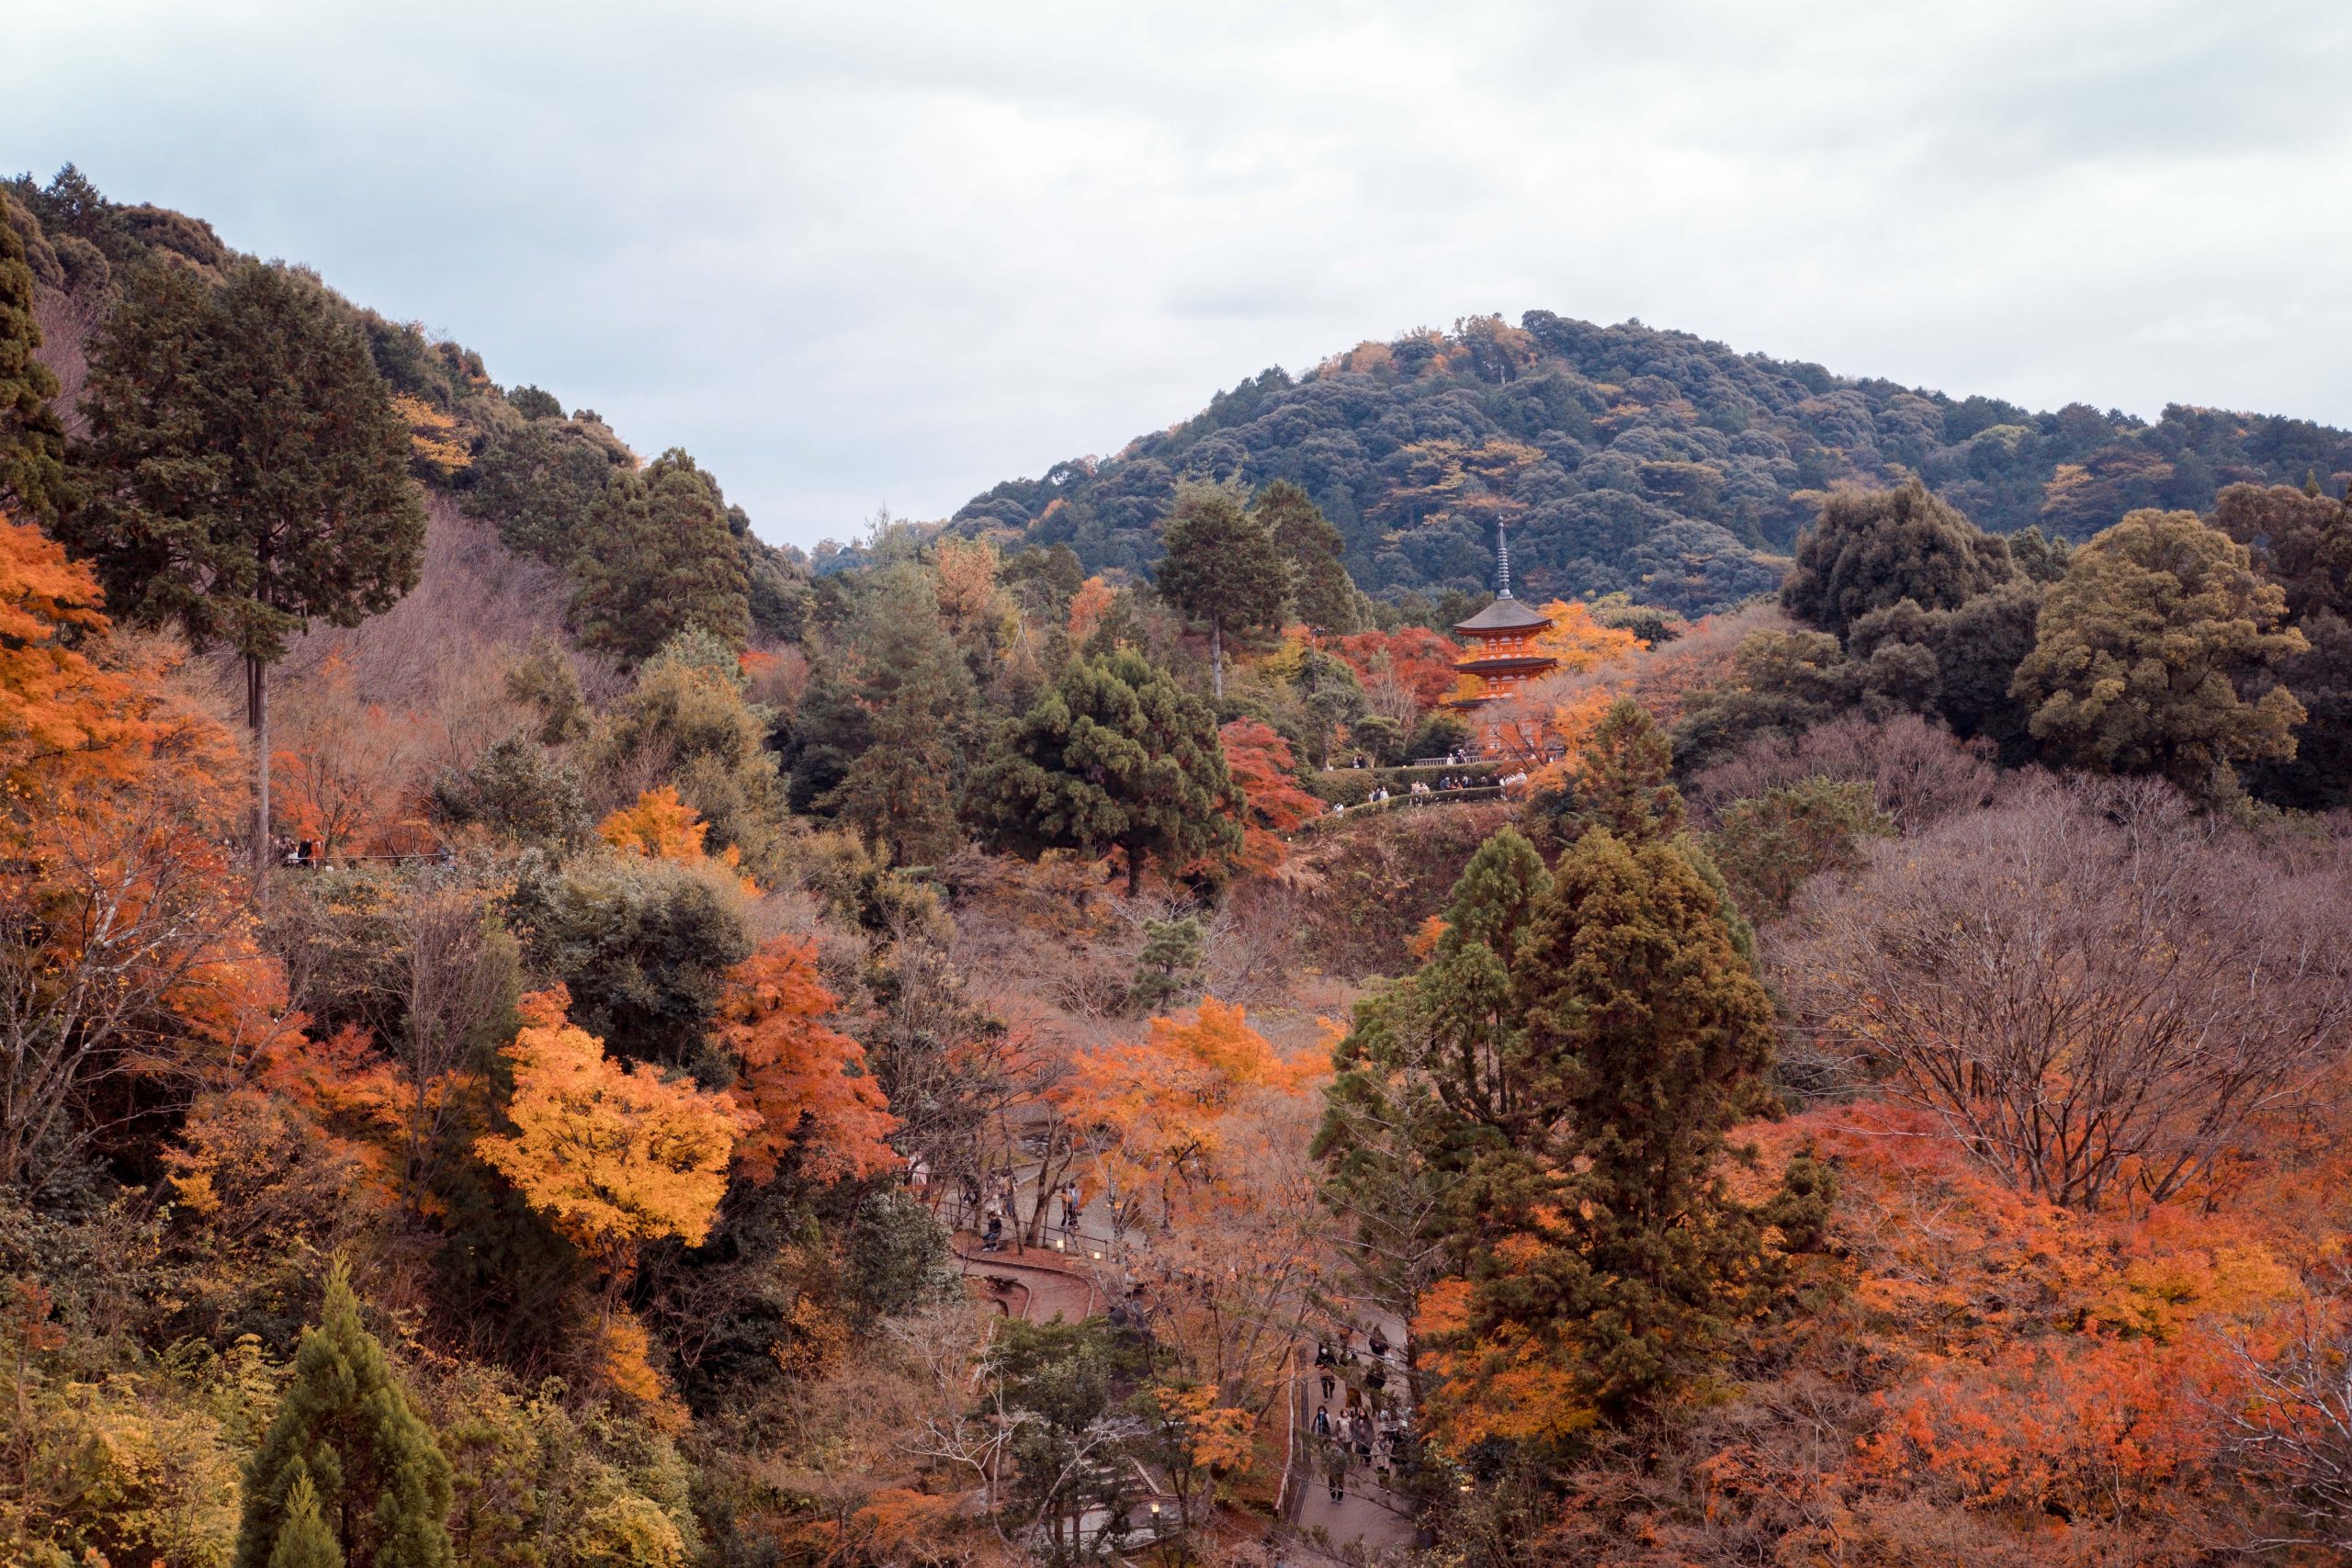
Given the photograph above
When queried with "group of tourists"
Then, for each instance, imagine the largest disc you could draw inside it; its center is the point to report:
(1003, 1200)
(1369, 1428)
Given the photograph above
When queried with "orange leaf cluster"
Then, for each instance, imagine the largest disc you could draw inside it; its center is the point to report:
(1087, 607)
(614, 1155)
(1418, 659)
(1273, 802)
(63, 718)
(661, 825)
(807, 1081)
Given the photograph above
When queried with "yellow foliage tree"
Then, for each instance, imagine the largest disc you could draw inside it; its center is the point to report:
(613, 1155)
(661, 825)
(1578, 642)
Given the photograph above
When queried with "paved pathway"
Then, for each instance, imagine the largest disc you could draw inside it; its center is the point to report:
(1366, 1514)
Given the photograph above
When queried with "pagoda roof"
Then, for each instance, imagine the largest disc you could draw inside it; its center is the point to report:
(1504, 614)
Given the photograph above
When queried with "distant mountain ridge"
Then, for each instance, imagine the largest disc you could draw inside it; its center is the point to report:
(1629, 457)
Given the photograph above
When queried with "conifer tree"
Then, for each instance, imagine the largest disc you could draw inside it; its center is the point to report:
(1115, 756)
(303, 1538)
(1624, 779)
(246, 472)
(917, 691)
(1645, 1030)
(1222, 568)
(660, 559)
(347, 1429)
(1322, 592)
(32, 442)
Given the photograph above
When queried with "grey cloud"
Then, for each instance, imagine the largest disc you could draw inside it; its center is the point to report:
(850, 253)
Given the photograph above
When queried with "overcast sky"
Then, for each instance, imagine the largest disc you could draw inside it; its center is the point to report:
(859, 254)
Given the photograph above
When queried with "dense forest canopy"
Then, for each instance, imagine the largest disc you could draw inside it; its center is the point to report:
(1629, 459)
(646, 1053)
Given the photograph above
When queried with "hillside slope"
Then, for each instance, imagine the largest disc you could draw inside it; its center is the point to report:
(1629, 457)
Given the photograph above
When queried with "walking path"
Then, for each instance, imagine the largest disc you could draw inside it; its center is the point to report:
(1366, 1512)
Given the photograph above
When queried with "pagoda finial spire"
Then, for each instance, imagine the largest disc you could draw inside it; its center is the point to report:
(1502, 560)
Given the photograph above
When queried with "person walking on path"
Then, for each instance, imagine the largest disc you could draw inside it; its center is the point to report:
(1379, 1343)
(1335, 1474)
(1322, 1420)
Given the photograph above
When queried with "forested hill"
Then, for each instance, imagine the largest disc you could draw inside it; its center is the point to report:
(1629, 457)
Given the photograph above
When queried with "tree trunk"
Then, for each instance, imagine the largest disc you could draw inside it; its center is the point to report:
(1134, 871)
(257, 719)
(1216, 659)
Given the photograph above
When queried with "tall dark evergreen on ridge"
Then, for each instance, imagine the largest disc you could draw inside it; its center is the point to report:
(1222, 568)
(32, 442)
(246, 473)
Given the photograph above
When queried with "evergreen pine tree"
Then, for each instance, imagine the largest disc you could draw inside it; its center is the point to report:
(661, 559)
(1114, 756)
(1624, 778)
(246, 472)
(303, 1538)
(1322, 594)
(914, 685)
(1221, 569)
(345, 1427)
(1169, 967)
(32, 442)
(1646, 1029)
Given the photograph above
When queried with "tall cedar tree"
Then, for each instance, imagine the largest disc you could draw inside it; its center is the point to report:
(2303, 543)
(660, 559)
(916, 691)
(32, 442)
(1645, 1028)
(246, 472)
(347, 1427)
(1874, 548)
(1116, 755)
(303, 1539)
(1624, 778)
(1221, 569)
(2159, 653)
(1322, 592)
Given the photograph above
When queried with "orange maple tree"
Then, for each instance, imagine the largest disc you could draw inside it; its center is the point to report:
(613, 1155)
(1273, 803)
(1418, 659)
(805, 1080)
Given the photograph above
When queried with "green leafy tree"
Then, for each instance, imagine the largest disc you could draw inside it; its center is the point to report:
(660, 559)
(347, 1430)
(518, 794)
(32, 442)
(1542, 1110)
(1222, 568)
(1782, 684)
(2303, 543)
(1768, 846)
(1322, 592)
(916, 690)
(690, 707)
(543, 484)
(246, 473)
(1116, 755)
(1647, 1033)
(2159, 653)
(1871, 548)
